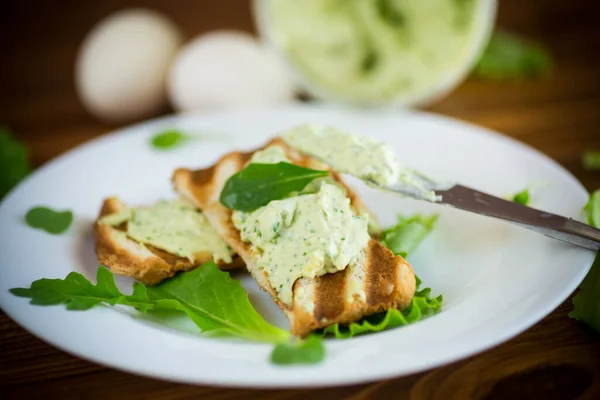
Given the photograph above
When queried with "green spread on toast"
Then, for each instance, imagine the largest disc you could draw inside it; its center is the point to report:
(305, 235)
(174, 226)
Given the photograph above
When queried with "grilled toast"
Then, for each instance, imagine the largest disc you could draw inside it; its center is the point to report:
(375, 282)
(145, 263)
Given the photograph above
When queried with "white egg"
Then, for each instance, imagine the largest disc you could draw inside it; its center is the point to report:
(227, 68)
(123, 64)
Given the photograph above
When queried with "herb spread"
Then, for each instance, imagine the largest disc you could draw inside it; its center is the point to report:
(173, 226)
(359, 156)
(374, 50)
(306, 235)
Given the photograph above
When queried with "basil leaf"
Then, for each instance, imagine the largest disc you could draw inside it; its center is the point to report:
(258, 184)
(308, 351)
(46, 219)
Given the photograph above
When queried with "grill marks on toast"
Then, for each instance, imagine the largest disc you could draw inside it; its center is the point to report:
(145, 263)
(379, 285)
(385, 280)
(388, 282)
(330, 296)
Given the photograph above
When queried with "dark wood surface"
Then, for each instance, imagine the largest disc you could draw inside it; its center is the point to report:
(560, 115)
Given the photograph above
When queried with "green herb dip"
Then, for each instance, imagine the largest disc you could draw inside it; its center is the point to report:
(173, 226)
(306, 235)
(374, 50)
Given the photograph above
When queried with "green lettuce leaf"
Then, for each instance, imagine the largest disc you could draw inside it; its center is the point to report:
(308, 351)
(217, 304)
(508, 56)
(405, 237)
(422, 305)
(586, 304)
(14, 165)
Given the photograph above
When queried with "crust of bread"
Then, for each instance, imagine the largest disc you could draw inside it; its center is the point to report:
(145, 263)
(377, 281)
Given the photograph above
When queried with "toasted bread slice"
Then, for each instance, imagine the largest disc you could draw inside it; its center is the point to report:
(375, 282)
(145, 263)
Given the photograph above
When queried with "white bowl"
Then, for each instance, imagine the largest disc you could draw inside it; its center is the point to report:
(444, 82)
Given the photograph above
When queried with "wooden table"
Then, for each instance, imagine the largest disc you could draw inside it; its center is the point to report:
(560, 115)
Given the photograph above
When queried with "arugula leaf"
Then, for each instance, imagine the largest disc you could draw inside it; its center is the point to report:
(586, 304)
(75, 291)
(46, 219)
(422, 305)
(591, 160)
(308, 351)
(258, 184)
(405, 237)
(522, 197)
(13, 162)
(217, 304)
(507, 56)
(169, 139)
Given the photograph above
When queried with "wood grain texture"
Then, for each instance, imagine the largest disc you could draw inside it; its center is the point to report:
(559, 115)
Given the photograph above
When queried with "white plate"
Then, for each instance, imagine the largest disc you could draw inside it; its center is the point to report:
(497, 279)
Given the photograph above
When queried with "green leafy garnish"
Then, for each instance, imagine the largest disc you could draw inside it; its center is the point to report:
(586, 304)
(215, 302)
(169, 139)
(592, 209)
(522, 197)
(308, 351)
(46, 219)
(404, 237)
(258, 184)
(591, 160)
(507, 56)
(14, 165)
(422, 305)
